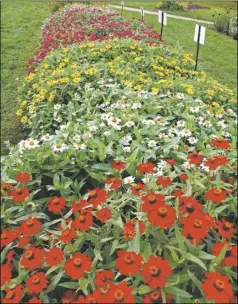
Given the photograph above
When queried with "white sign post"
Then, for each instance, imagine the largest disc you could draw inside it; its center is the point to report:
(162, 19)
(199, 37)
(122, 6)
(142, 13)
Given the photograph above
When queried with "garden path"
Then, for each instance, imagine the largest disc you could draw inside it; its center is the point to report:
(169, 15)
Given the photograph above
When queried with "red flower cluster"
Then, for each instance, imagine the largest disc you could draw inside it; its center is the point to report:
(77, 265)
(97, 196)
(217, 287)
(221, 143)
(146, 168)
(128, 263)
(197, 226)
(79, 24)
(156, 271)
(216, 161)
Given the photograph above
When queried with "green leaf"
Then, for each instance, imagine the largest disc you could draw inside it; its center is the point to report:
(205, 256)
(188, 256)
(143, 289)
(55, 281)
(220, 209)
(194, 279)
(217, 261)
(177, 291)
(70, 285)
(102, 166)
(56, 181)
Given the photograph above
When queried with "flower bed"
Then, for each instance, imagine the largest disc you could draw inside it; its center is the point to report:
(125, 192)
(72, 70)
(77, 24)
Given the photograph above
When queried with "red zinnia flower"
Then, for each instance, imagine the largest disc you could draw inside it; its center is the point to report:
(79, 205)
(34, 300)
(146, 168)
(84, 220)
(30, 226)
(221, 143)
(9, 256)
(156, 271)
(230, 258)
(32, 258)
(156, 297)
(95, 297)
(8, 236)
(36, 283)
(97, 196)
(190, 206)
(151, 201)
(217, 287)
(23, 177)
(118, 165)
(120, 293)
(69, 297)
(196, 226)
(171, 162)
(163, 216)
(77, 265)
(183, 177)
(216, 161)
(103, 279)
(225, 229)
(114, 182)
(179, 192)
(14, 295)
(195, 158)
(104, 214)
(23, 241)
(6, 273)
(67, 235)
(7, 188)
(54, 256)
(164, 181)
(137, 188)
(129, 231)
(56, 204)
(216, 195)
(19, 194)
(128, 263)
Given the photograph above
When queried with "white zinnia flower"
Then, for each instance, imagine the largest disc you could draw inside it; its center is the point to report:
(128, 180)
(127, 149)
(31, 143)
(179, 95)
(180, 123)
(152, 143)
(79, 146)
(185, 132)
(129, 124)
(46, 137)
(192, 140)
(60, 147)
(136, 105)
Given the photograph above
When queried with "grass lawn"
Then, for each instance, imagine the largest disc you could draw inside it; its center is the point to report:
(217, 57)
(203, 14)
(21, 22)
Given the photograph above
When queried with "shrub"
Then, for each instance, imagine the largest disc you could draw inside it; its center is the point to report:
(233, 30)
(54, 6)
(171, 5)
(222, 21)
